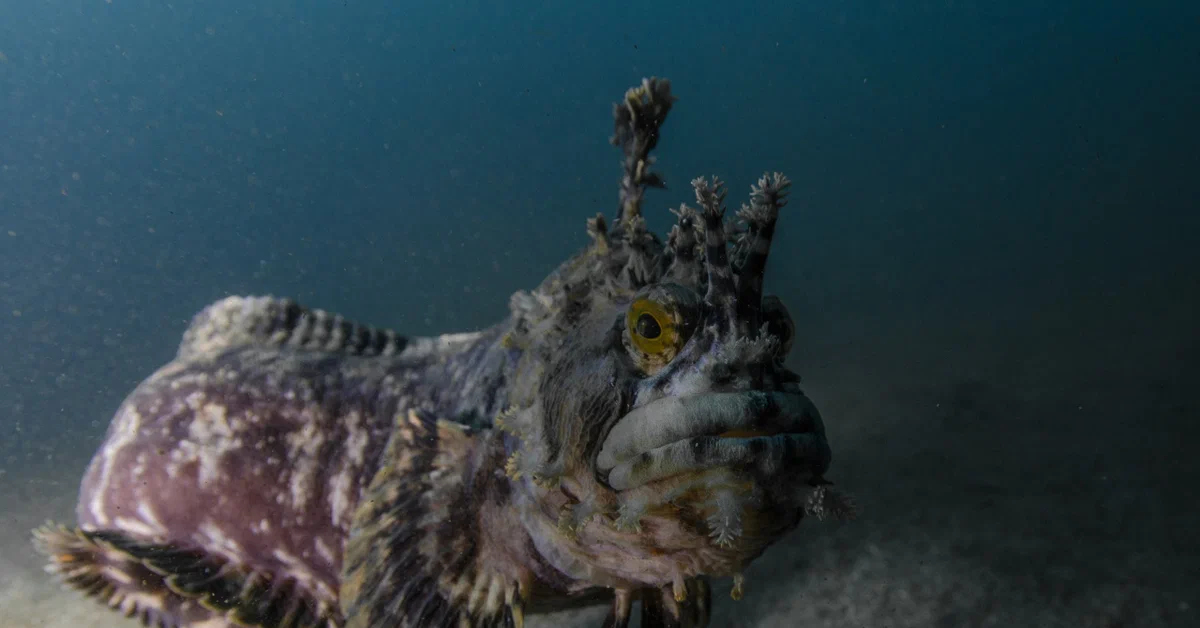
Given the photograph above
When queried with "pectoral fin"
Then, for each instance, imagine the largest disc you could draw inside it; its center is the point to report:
(413, 557)
(164, 584)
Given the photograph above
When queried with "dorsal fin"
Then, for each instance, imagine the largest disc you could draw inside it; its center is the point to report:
(271, 321)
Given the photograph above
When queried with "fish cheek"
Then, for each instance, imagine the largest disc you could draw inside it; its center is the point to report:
(582, 398)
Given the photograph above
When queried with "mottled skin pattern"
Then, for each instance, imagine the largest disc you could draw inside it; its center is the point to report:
(628, 431)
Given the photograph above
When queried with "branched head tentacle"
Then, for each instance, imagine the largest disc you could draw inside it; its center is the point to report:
(767, 197)
(686, 245)
(637, 121)
(720, 295)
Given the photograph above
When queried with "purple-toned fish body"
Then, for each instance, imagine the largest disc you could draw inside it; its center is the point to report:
(628, 432)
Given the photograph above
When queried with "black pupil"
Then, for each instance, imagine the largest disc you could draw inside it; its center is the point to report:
(647, 327)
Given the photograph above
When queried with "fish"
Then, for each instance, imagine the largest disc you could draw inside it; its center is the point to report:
(628, 433)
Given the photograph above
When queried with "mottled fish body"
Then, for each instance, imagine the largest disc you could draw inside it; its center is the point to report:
(629, 431)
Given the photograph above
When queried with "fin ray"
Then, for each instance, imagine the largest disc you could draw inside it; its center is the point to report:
(165, 585)
(271, 321)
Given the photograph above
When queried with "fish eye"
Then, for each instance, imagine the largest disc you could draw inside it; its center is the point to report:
(647, 326)
(657, 325)
(779, 323)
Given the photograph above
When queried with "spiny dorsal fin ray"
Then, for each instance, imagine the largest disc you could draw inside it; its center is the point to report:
(155, 581)
(271, 321)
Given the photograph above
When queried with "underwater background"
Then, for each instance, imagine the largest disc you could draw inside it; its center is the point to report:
(991, 254)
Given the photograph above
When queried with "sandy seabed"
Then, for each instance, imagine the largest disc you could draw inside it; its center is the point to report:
(1018, 491)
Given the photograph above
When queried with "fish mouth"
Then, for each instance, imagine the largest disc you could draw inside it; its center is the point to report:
(763, 432)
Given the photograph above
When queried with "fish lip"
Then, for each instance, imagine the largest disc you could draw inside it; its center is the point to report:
(795, 456)
(710, 415)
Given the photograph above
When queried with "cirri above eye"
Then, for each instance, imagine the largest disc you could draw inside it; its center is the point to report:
(658, 323)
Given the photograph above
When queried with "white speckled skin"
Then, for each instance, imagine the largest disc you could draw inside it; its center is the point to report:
(257, 448)
(292, 469)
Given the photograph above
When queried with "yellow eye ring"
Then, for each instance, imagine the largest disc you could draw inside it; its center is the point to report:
(653, 331)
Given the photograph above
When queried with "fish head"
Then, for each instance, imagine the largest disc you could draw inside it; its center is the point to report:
(655, 410)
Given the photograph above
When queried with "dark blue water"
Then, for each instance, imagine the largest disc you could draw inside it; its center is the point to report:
(1010, 184)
